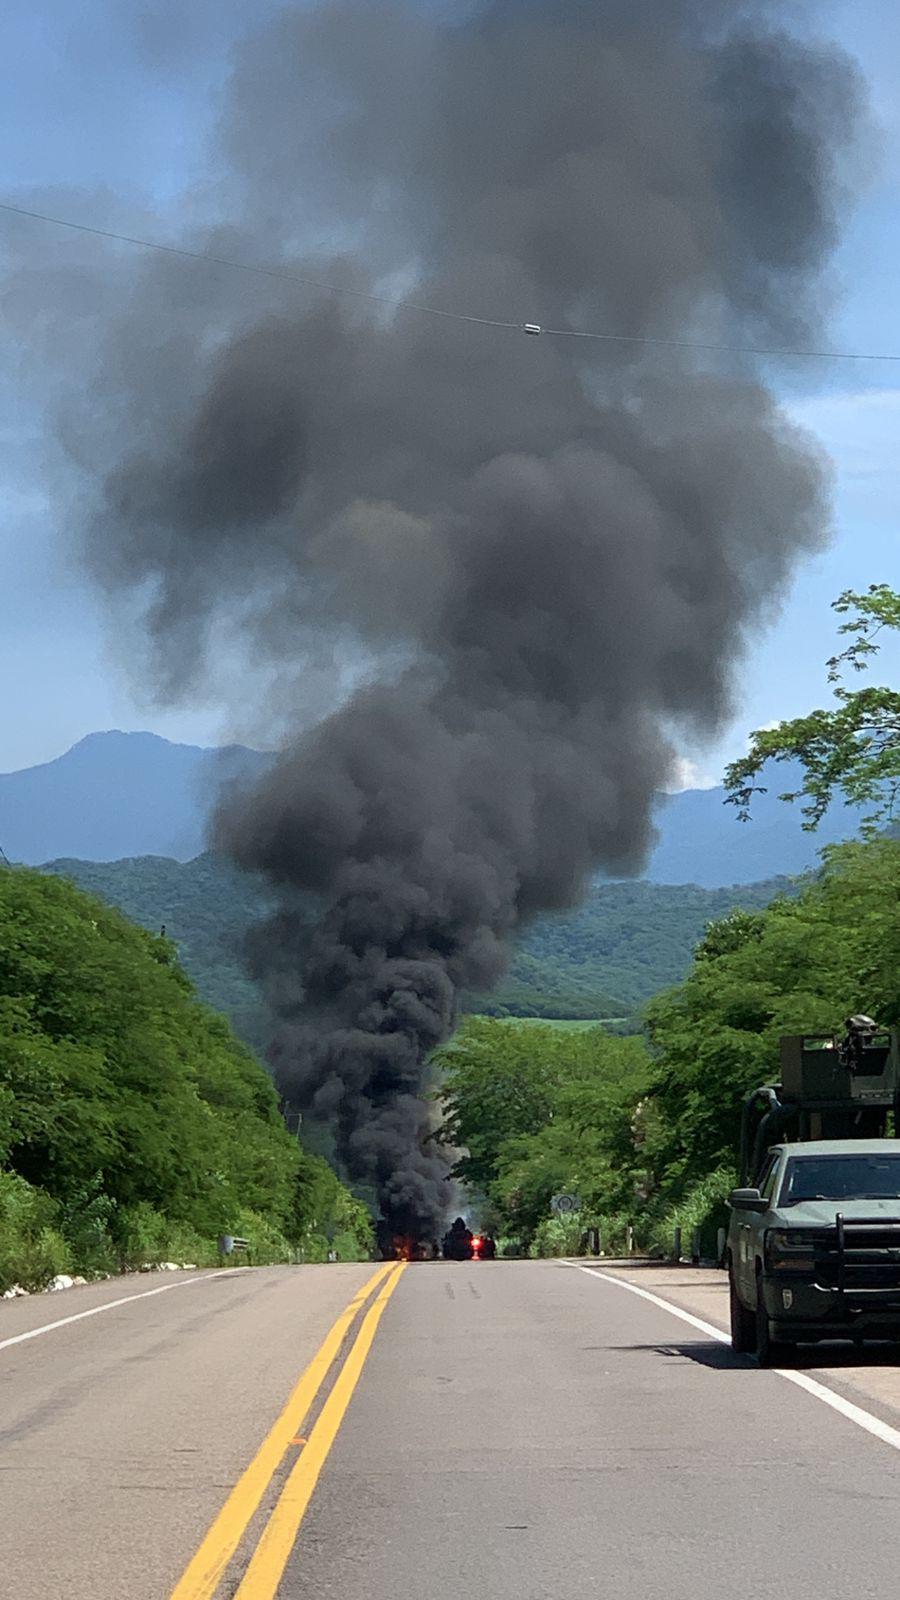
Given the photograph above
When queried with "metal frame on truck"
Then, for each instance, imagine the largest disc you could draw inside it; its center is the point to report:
(831, 1088)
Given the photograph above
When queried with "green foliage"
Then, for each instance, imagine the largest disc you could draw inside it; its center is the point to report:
(206, 906)
(704, 1206)
(328, 1217)
(852, 748)
(804, 965)
(557, 1236)
(603, 961)
(266, 1243)
(498, 1083)
(651, 1139)
(145, 1237)
(129, 1108)
(534, 1111)
(32, 1248)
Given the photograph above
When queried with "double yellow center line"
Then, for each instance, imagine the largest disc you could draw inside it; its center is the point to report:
(204, 1572)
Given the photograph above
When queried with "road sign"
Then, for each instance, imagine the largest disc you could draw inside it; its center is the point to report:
(565, 1205)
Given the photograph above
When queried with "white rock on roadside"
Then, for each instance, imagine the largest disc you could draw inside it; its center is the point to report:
(14, 1292)
(79, 1282)
(189, 1266)
(61, 1281)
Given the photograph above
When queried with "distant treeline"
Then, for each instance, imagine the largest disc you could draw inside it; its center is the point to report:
(605, 960)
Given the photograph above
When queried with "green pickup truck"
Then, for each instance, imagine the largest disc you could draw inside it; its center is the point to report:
(813, 1252)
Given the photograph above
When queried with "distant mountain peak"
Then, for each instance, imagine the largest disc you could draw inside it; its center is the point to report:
(116, 794)
(110, 737)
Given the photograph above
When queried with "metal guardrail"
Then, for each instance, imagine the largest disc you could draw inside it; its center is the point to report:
(229, 1242)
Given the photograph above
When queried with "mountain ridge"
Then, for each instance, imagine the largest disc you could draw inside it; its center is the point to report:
(118, 796)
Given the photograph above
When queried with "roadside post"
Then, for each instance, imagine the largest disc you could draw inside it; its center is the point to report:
(229, 1242)
(676, 1246)
(720, 1247)
(695, 1248)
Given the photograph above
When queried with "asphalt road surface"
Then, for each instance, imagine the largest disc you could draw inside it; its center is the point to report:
(477, 1430)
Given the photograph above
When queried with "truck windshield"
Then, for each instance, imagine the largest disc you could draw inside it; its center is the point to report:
(862, 1177)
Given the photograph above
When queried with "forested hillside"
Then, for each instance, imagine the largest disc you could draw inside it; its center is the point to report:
(647, 1132)
(605, 960)
(134, 1125)
(205, 906)
(626, 943)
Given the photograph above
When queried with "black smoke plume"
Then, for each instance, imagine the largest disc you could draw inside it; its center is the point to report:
(544, 555)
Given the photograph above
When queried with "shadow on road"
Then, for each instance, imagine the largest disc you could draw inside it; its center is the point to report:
(719, 1357)
(809, 1357)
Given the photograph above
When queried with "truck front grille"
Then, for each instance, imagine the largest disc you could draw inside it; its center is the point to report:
(871, 1257)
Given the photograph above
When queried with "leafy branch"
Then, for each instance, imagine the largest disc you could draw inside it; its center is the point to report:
(851, 749)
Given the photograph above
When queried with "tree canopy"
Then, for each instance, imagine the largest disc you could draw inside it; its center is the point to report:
(639, 1127)
(124, 1100)
(534, 1110)
(851, 748)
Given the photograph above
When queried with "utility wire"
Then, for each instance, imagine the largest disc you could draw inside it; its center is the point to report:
(732, 349)
(251, 266)
(436, 311)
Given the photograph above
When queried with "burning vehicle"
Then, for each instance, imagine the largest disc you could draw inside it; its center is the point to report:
(461, 1244)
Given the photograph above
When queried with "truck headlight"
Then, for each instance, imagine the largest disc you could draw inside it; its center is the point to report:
(790, 1250)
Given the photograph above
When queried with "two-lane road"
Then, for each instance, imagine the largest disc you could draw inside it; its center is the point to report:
(488, 1430)
(121, 1433)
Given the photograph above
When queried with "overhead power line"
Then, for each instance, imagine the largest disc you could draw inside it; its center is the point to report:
(731, 349)
(533, 328)
(252, 266)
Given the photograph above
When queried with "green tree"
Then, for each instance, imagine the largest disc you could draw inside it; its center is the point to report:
(534, 1110)
(498, 1082)
(852, 748)
(131, 1117)
(801, 966)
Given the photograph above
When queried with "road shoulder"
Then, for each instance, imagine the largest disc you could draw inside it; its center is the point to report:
(872, 1382)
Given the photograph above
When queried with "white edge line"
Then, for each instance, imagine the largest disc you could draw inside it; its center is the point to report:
(819, 1391)
(111, 1305)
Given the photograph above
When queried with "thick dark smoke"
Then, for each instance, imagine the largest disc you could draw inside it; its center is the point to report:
(545, 554)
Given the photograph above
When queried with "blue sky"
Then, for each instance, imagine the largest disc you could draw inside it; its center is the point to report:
(118, 102)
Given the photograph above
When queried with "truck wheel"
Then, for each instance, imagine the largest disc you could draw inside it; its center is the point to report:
(743, 1322)
(768, 1352)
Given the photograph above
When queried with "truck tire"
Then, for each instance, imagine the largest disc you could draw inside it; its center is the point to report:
(743, 1322)
(768, 1352)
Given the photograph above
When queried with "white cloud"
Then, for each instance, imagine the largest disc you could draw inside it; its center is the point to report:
(686, 774)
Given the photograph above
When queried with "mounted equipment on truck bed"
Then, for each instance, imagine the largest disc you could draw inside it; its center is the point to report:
(831, 1088)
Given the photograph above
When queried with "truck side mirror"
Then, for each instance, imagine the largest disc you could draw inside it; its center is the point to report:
(747, 1200)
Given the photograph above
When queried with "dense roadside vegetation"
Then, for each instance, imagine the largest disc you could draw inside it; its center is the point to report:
(645, 1130)
(134, 1126)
